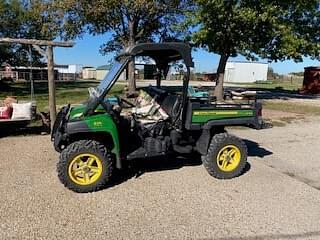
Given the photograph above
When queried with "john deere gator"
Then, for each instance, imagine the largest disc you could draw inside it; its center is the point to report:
(103, 133)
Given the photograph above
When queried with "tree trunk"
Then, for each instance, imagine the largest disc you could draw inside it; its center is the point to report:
(131, 77)
(219, 91)
(51, 85)
(131, 65)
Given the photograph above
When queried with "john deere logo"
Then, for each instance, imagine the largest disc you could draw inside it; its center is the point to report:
(201, 113)
(97, 124)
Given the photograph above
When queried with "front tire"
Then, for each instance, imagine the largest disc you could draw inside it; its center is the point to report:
(85, 166)
(226, 157)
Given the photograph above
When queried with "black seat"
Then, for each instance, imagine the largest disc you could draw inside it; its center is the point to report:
(171, 105)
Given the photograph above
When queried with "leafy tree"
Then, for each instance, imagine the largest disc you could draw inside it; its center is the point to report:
(276, 30)
(129, 22)
(272, 75)
(11, 18)
(24, 19)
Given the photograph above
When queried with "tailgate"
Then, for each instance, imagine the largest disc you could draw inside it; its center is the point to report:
(206, 116)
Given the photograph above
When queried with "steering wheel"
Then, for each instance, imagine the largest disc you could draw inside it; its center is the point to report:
(122, 100)
(107, 106)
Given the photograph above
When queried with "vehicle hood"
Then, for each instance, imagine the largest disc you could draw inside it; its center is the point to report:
(77, 111)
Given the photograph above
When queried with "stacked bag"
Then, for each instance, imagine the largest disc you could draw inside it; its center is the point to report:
(11, 109)
(148, 108)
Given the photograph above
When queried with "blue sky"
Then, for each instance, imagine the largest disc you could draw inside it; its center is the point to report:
(86, 52)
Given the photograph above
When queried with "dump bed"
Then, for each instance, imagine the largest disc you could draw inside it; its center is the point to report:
(206, 115)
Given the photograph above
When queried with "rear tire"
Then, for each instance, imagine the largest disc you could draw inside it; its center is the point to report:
(226, 157)
(75, 171)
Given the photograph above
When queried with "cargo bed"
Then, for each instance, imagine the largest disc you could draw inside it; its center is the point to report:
(206, 115)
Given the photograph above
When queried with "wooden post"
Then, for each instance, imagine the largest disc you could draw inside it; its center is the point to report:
(38, 45)
(51, 85)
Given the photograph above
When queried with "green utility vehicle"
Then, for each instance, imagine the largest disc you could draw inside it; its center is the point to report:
(100, 135)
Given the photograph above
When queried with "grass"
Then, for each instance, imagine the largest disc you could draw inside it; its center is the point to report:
(77, 92)
(288, 85)
(74, 92)
(292, 107)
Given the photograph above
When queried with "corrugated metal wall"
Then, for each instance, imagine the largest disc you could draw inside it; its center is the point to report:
(246, 72)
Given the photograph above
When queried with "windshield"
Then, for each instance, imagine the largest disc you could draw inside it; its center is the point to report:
(108, 79)
(98, 93)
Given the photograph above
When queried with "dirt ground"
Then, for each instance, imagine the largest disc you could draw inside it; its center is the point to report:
(278, 115)
(293, 149)
(276, 198)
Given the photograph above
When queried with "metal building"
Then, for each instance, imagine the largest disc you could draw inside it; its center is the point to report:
(68, 68)
(246, 72)
(102, 71)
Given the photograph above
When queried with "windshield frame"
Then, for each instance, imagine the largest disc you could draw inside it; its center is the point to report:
(112, 76)
(99, 94)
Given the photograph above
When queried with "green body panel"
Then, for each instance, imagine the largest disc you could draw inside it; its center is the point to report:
(77, 111)
(203, 116)
(100, 122)
(104, 123)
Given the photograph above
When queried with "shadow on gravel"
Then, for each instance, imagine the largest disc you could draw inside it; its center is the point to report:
(307, 235)
(141, 166)
(138, 167)
(26, 131)
(255, 150)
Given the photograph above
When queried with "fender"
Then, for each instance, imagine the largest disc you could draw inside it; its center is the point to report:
(203, 142)
(101, 127)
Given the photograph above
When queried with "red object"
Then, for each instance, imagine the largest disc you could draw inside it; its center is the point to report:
(5, 112)
(311, 81)
(259, 112)
(209, 77)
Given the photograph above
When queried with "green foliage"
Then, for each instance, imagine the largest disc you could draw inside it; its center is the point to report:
(11, 18)
(276, 30)
(128, 21)
(271, 29)
(24, 19)
(294, 32)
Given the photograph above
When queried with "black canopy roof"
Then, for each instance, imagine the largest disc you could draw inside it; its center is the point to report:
(162, 53)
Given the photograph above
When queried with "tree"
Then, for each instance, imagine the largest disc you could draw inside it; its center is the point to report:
(12, 17)
(128, 21)
(25, 19)
(276, 30)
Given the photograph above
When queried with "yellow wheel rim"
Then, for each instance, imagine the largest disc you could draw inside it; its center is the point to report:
(85, 169)
(228, 158)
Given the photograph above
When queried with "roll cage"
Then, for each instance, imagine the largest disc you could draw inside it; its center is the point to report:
(162, 54)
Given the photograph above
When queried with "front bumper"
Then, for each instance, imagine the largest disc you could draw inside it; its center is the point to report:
(58, 131)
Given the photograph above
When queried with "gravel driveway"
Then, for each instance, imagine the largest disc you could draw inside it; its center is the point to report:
(293, 150)
(170, 200)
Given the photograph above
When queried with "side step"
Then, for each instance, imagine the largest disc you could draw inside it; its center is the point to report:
(142, 153)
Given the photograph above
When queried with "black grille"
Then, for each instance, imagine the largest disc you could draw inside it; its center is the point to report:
(59, 121)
